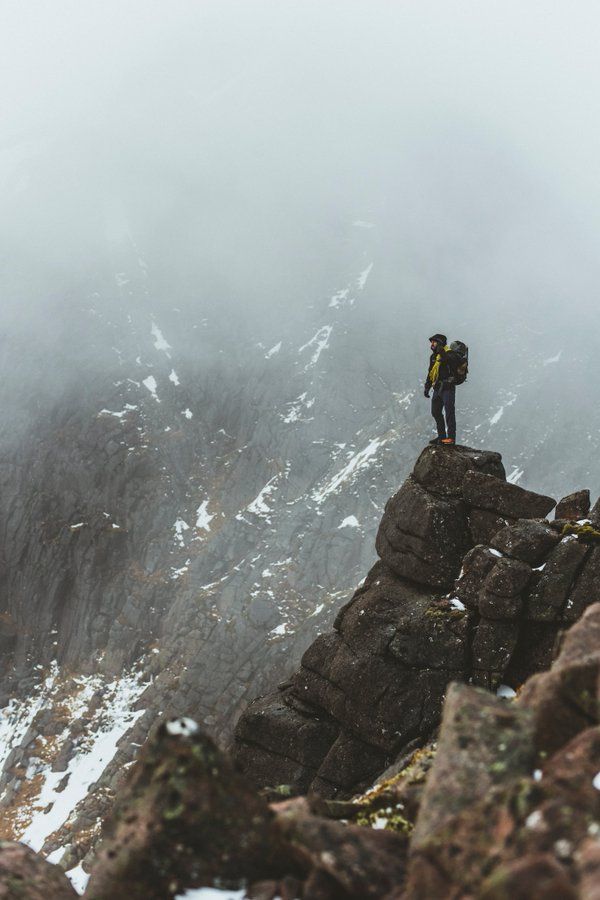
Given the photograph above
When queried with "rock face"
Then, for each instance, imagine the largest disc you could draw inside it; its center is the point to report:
(186, 819)
(26, 876)
(375, 684)
(505, 804)
(521, 825)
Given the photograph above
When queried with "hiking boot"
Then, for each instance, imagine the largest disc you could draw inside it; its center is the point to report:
(448, 442)
(436, 440)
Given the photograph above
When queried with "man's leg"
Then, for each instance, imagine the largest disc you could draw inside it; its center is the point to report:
(437, 407)
(449, 403)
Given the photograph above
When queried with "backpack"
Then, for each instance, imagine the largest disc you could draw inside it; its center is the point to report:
(460, 361)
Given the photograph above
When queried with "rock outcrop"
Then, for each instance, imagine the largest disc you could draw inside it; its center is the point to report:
(507, 803)
(517, 815)
(448, 601)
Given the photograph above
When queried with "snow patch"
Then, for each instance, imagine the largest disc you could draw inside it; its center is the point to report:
(181, 727)
(187, 413)
(273, 351)
(151, 385)
(120, 414)
(259, 505)
(203, 517)
(209, 893)
(180, 525)
(506, 692)
(320, 342)
(357, 462)
(159, 341)
(553, 359)
(340, 298)
(174, 378)
(362, 278)
(295, 408)
(455, 603)
(54, 805)
(350, 522)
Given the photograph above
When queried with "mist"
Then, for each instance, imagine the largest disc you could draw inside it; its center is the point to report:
(235, 144)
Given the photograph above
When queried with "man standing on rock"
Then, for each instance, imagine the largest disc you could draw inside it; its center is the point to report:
(440, 377)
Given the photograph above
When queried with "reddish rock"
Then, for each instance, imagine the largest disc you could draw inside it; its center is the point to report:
(185, 818)
(360, 862)
(483, 742)
(538, 876)
(587, 861)
(26, 876)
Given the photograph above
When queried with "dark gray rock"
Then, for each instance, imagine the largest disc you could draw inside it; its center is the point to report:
(505, 499)
(529, 541)
(442, 472)
(573, 506)
(414, 527)
(500, 595)
(475, 566)
(484, 524)
(547, 600)
(493, 645)
(587, 587)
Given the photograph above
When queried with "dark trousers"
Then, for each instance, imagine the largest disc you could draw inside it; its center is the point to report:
(443, 402)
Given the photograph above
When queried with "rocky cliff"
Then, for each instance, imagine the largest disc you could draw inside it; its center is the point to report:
(471, 598)
(473, 585)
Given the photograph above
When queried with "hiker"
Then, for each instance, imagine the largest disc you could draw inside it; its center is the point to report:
(442, 377)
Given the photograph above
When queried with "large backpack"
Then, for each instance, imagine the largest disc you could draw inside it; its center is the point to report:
(460, 361)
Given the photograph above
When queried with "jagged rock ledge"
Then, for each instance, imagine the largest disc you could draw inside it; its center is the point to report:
(473, 585)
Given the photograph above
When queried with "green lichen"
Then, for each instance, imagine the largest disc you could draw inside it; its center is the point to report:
(587, 534)
(394, 820)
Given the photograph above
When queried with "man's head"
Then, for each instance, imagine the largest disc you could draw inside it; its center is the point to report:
(437, 341)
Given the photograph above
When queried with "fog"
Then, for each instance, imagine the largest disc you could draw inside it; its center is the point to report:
(234, 144)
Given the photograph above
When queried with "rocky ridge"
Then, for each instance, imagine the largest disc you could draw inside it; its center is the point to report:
(473, 585)
(474, 592)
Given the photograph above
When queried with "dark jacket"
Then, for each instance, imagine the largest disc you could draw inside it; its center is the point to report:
(446, 370)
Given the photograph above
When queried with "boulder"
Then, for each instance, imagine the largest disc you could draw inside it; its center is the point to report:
(573, 506)
(475, 566)
(548, 599)
(414, 528)
(538, 875)
(587, 587)
(529, 541)
(186, 818)
(357, 862)
(484, 524)
(587, 861)
(500, 594)
(564, 701)
(441, 641)
(443, 473)
(505, 499)
(483, 742)
(493, 646)
(278, 744)
(26, 876)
